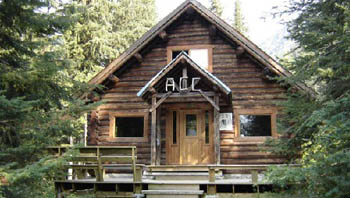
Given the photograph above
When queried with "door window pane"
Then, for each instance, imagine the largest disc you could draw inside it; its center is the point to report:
(206, 127)
(174, 127)
(255, 125)
(191, 125)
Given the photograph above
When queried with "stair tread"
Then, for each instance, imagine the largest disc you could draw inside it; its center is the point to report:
(173, 192)
(177, 174)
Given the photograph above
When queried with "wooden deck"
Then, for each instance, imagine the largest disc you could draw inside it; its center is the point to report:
(196, 181)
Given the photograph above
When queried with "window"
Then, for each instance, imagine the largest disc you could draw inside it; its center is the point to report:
(128, 127)
(200, 54)
(191, 125)
(255, 122)
(174, 128)
(255, 125)
(207, 127)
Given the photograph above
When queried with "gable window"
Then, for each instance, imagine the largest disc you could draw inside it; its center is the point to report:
(200, 54)
(255, 122)
(125, 127)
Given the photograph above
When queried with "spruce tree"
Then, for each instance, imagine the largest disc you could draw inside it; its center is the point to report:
(46, 50)
(216, 7)
(103, 29)
(318, 126)
(239, 23)
(37, 96)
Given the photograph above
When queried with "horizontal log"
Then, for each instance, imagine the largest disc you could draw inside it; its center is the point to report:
(188, 34)
(226, 49)
(227, 136)
(259, 97)
(236, 70)
(223, 77)
(117, 95)
(224, 149)
(142, 73)
(252, 161)
(121, 106)
(201, 41)
(230, 56)
(193, 29)
(133, 99)
(276, 90)
(247, 155)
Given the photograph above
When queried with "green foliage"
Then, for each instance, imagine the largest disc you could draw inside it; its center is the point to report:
(47, 51)
(239, 23)
(102, 30)
(216, 7)
(319, 128)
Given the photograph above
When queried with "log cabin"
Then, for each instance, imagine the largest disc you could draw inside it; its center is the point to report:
(192, 92)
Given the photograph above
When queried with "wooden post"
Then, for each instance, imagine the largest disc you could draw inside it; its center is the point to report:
(138, 180)
(159, 138)
(212, 174)
(134, 163)
(153, 131)
(58, 190)
(216, 131)
(100, 170)
(254, 177)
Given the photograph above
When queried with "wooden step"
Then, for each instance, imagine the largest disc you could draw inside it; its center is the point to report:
(178, 168)
(166, 176)
(173, 193)
(179, 186)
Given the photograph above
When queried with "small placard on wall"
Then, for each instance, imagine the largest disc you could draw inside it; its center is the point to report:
(226, 122)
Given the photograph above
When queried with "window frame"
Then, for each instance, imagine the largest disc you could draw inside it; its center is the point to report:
(114, 115)
(170, 49)
(271, 112)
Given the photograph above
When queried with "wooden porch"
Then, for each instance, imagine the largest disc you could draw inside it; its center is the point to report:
(174, 181)
(112, 172)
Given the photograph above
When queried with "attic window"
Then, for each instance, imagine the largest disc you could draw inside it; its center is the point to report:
(200, 54)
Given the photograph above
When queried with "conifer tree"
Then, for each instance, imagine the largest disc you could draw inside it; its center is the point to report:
(43, 44)
(216, 7)
(102, 29)
(35, 95)
(318, 126)
(239, 23)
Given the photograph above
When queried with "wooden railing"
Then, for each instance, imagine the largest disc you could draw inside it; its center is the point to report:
(253, 169)
(100, 158)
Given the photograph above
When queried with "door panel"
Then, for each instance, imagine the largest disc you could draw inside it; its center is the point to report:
(172, 137)
(189, 134)
(193, 132)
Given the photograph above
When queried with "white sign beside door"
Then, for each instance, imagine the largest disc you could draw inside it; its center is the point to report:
(226, 123)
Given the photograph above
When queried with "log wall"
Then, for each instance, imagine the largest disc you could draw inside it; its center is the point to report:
(242, 74)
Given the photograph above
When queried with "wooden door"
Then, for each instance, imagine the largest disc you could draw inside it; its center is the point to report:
(189, 138)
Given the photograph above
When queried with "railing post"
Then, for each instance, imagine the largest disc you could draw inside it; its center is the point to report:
(211, 186)
(254, 177)
(99, 176)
